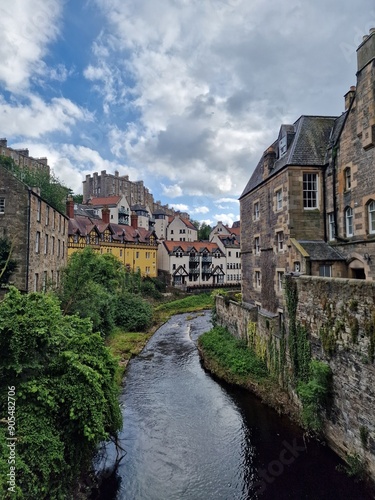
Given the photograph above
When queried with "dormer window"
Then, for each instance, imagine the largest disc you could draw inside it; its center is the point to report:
(283, 146)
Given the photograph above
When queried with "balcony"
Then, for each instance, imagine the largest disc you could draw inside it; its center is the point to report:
(194, 259)
(194, 271)
(123, 211)
(207, 259)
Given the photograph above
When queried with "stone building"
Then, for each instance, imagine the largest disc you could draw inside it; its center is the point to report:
(22, 158)
(37, 232)
(309, 206)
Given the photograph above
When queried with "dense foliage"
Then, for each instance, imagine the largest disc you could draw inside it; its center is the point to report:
(98, 287)
(66, 397)
(232, 354)
(7, 264)
(51, 189)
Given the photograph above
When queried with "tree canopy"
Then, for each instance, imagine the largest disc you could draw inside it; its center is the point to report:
(66, 396)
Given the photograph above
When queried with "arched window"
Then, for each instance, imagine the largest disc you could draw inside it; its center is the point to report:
(349, 221)
(371, 217)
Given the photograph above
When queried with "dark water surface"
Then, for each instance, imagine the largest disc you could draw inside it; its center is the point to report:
(190, 437)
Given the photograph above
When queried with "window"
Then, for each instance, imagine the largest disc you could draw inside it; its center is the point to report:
(137, 255)
(44, 281)
(331, 226)
(38, 210)
(371, 217)
(53, 219)
(297, 267)
(2, 205)
(280, 277)
(120, 253)
(279, 199)
(280, 241)
(63, 249)
(349, 221)
(53, 245)
(257, 245)
(37, 242)
(348, 179)
(310, 191)
(325, 270)
(47, 216)
(229, 253)
(257, 279)
(46, 244)
(36, 282)
(256, 211)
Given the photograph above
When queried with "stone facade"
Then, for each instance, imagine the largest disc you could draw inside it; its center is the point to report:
(309, 207)
(38, 232)
(22, 158)
(339, 317)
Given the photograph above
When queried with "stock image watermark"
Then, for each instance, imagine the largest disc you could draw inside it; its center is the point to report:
(275, 468)
(11, 439)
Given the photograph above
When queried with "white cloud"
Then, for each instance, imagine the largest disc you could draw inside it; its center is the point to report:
(27, 27)
(40, 117)
(226, 219)
(200, 210)
(172, 191)
(226, 200)
(179, 206)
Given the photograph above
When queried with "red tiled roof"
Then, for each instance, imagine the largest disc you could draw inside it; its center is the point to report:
(187, 246)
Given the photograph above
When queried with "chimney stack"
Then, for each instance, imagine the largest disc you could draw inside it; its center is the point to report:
(349, 96)
(134, 220)
(70, 207)
(105, 214)
(366, 51)
(269, 159)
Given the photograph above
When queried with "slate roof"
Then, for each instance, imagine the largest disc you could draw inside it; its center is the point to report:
(320, 250)
(308, 147)
(187, 222)
(83, 225)
(228, 241)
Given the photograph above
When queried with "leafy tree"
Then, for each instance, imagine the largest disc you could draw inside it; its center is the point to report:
(66, 397)
(7, 264)
(89, 285)
(203, 229)
(133, 313)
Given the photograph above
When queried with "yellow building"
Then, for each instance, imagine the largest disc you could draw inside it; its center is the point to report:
(133, 246)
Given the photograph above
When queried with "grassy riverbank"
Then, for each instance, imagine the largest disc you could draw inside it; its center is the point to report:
(230, 359)
(124, 345)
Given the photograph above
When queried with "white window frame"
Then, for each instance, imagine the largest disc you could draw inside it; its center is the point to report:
(257, 245)
(371, 217)
(331, 227)
(38, 210)
(280, 241)
(348, 179)
(279, 199)
(349, 221)
(256, 211)
(37, 242)
(310, 191)
(257, 279)
(280, 276)
(325, 270)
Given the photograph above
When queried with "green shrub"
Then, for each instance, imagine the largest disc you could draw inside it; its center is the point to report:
(232, 354)
(132, 313)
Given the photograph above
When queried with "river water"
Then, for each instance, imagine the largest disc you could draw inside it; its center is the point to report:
(190, 437)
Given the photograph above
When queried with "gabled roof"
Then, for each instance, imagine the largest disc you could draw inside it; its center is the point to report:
(187, 222)
(83, 225)
(107, 200)
(228, 240)
(308, 148)
(188, 246)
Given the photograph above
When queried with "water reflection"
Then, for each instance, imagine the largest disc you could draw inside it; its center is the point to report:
(188, 437)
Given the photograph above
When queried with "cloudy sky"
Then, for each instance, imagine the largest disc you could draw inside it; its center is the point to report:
(183, 94)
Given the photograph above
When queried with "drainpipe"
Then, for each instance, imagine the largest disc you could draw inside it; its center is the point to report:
(334, 155)
(28, 242)
(325, 206)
